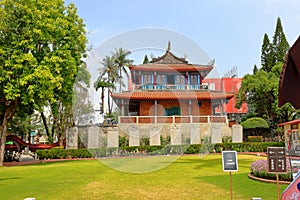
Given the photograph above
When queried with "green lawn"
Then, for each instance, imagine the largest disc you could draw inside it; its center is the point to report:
(189, 177)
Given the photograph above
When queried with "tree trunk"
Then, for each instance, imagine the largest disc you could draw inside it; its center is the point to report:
(120, 79)
(45, 123)
(6, 117)
(3, 139)
(108, 102)
(29, 135)
(102, 100)
(54, 125)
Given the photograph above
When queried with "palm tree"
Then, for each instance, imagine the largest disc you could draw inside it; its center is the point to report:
(111, 72)
(122, 62)
(103, 84)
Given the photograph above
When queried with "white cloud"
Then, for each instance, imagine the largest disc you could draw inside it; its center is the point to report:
(272, 6)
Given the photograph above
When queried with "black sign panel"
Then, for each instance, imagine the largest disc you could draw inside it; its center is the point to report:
(229, 161)
(297, 150)
(276, 159)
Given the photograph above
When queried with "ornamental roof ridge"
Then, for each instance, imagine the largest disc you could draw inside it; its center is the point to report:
(172, 95)
(168, 58)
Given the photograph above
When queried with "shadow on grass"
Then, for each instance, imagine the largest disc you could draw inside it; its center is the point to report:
(213, 163)
(243, 185)
(10, 178)
(52, 162)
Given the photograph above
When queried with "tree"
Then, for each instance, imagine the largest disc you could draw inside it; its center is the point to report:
(82, 107)
(255, 124)
(109, 73)
(121, 61)
(41, 46)
(260, 91)
(146, 60)
(24, 121)
(102, 84)
(279, 44)
(83, 76)
(274, 52)
(266, 54)
(255, 69)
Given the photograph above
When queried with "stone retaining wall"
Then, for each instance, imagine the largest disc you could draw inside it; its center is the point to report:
(96, 137)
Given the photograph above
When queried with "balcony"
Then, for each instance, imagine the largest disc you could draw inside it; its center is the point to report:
(171, 119)
(151, 86)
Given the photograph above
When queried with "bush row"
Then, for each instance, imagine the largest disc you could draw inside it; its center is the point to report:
(156, 150)
(255, 138)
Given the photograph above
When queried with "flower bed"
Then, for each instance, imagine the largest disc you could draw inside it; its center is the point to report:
(260, 169)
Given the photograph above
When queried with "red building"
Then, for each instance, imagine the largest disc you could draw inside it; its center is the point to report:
(228, 85)
(169, 89)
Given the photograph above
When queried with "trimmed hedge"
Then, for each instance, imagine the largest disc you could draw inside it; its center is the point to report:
(156, 150)
(255, 138)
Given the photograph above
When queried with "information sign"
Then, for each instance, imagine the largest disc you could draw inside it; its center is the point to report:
(276, 159)
(229, 161)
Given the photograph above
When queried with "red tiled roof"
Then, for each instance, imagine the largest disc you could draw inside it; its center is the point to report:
(172, 95)
(168, 57)
(171, 67)
(296, 121)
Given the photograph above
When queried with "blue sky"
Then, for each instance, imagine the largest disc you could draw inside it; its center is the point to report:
(230, 31)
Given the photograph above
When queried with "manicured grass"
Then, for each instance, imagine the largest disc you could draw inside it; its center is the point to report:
(189, 177)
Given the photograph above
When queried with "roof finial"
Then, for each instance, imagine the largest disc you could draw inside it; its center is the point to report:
(169, 46)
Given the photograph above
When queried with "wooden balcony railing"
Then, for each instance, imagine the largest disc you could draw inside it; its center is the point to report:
(151, 86)
(171, 119)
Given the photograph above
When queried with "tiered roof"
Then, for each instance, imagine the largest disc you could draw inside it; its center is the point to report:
(169, 63)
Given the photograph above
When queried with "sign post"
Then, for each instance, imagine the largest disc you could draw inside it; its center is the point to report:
(276, 163)
(230, 164)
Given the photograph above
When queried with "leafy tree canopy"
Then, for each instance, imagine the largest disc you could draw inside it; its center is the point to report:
(254, 123)
(41, 46)
(260, 89)
(274, 52)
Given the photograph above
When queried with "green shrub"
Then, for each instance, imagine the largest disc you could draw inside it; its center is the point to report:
(255, 138)
(123, 141)
(156, 150)
(145, 141)
(227, 139)
(255, 123)
(165, 140)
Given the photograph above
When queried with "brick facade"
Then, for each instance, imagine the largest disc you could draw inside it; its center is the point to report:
(147, 108)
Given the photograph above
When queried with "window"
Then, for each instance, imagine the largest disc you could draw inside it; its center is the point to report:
(193, 79)
(172, 111)
(161, 79)
(147, 78)
(170, 79)
(211, 86)
(194, 83)
(295, 137)
(180, 80)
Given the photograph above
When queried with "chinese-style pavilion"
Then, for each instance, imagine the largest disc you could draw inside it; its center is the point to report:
(169, 86)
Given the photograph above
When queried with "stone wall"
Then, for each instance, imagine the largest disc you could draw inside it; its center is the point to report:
(181, 133)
